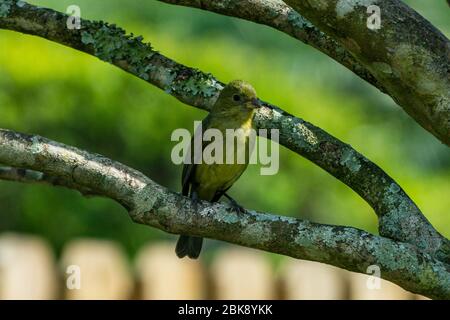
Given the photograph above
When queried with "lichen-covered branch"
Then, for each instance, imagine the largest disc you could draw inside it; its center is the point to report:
(351, 44)
(399, 217)
(407, 54)
(279, 15)
(154, 205)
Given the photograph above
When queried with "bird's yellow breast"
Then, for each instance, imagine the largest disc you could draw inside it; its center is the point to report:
(220, 176)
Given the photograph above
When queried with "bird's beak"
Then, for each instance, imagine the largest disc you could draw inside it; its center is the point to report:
(256, 103)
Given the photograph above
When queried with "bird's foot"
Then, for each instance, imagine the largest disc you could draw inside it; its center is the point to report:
(236, 207)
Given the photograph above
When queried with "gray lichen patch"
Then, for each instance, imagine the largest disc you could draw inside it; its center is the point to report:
(192, 82)
(145, 198)
(226, 217)
(393, 188)
(394, 258)
(36, 146)
(256, 233)
(302, 240)
(113, 45)
(27, 24)
(312, 242)
(399, 215)
(416, 65)
(393, 198)
(345, 7)
(386, 255)
(350, 160)
(289, 220)
(290, 127)
(298, 21)
(307, 134)
(265, 217)
(5, 7)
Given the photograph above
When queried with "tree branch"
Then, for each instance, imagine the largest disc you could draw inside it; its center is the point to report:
(37, 177)
(399, 217)
(278, 15)
(408, 55)
(153, 205)
(396, 60)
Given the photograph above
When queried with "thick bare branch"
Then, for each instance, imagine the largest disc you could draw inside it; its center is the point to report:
(399, 217)
(395, 59)
(407, 54)
(37, 177)
(151, 204)
(277, 14)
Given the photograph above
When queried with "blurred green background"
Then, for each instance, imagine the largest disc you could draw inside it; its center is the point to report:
(57, 92)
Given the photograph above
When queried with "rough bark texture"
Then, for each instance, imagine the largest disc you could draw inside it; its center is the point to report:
(408, 55)
(153, 205)
(280, 16)
(38, 177)
(407, 58)
(111, 44)
(399, 218)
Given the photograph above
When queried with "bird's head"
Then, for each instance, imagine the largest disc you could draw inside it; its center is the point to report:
(237, 96)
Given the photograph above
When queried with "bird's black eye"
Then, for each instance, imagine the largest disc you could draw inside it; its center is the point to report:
(236, 98)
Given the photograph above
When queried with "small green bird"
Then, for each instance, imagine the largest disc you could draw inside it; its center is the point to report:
(234, 109)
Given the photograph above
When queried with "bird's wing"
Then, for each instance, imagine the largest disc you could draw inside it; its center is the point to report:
(190, 166)
(188, 171)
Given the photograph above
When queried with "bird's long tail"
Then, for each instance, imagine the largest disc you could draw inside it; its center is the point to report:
(189, 246)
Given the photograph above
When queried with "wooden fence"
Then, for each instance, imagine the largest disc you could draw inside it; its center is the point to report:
(95, 269)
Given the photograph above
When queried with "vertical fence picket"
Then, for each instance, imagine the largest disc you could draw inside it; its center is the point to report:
(27, 268)
(242, 274)
(306, 280)
(163, 276)
(102, 267)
